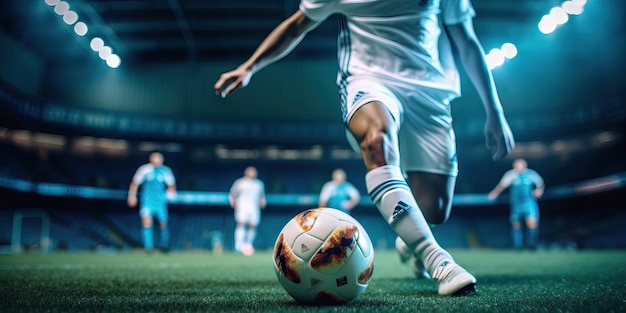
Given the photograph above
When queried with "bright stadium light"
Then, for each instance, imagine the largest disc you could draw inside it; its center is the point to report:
(70, 17)
(580, 3)
(105, 52)
(52, 2)
(96, 44)
(547, 24)
(509, 50)
(113, 61)
(61, 8)
(80, 29)
(559, 15)
(572, 8)
(494, 58)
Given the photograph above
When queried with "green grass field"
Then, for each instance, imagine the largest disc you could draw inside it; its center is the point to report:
(509, 281)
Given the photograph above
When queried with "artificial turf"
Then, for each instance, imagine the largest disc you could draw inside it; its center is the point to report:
(509, 281)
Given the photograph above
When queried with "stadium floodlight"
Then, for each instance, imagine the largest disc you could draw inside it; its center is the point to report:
(96, 44)
(52, 2)
(113, 61)
(80, 29)
(105, 52)
(580, 3)
(494, 58)
(547, 24)
(61, 8)
(509, 50)
(572, 8)
(70, 17)
(559, 15)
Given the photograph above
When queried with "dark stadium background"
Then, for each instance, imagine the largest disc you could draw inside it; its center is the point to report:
(73, 130)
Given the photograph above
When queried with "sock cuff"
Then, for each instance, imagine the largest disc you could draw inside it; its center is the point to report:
(382, 179)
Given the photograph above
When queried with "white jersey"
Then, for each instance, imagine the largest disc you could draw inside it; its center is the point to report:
(248, 193)
(404, 43)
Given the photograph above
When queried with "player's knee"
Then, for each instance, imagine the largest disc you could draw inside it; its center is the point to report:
(372, 147)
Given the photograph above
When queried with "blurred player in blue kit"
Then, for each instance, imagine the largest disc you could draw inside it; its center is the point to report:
(157, 185)
(397, 76)
(339, 193)
(525, 187)
(247, 198)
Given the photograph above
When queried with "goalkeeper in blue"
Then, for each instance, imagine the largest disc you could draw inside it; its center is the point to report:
(525, 187)
(397, 77)
(157, 185)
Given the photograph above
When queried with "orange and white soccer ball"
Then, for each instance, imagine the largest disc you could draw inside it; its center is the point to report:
(323, 256)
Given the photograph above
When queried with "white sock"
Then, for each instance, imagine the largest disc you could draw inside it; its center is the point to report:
(250, 236)
(240, 233)
(393, 197)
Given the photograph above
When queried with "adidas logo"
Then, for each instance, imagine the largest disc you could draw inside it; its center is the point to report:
(358, 96)
(400, 209)
(304, 248)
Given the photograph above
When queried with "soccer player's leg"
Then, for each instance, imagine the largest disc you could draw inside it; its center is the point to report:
(146, 228)
(376, 130)
(164, 233)
(517, 235)
(240, 229)
(532, 226)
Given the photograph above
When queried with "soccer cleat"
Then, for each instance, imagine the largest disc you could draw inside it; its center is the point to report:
(454, 280)
(416, 263)
(247, 250)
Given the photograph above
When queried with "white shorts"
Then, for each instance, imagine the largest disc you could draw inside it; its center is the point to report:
(248, 216)
(426, 137)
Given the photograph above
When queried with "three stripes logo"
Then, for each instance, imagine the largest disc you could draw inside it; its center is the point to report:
(304, 248)
(400, 209)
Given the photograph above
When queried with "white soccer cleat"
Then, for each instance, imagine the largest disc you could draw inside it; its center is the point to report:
(454, 280)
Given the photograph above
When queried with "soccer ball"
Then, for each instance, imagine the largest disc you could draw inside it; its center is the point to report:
(323, 256)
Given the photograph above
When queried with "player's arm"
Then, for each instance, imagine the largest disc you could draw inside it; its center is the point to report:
(496, 191)
(322, 202)
(232, 197)
(263, 200)
(470, 54)
(355, 197)
(538, 191)
(132, 194)
(284, 38)
(170, 181)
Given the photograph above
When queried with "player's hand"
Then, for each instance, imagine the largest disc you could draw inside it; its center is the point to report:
(498, 136)
(132, 202)
(229, 81)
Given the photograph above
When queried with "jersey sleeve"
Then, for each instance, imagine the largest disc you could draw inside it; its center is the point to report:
(538, 179)
(318, 10)
(170, 180)
(507, 178)
(456, 11)
(140, 174)
(325, 193)
(354, 193)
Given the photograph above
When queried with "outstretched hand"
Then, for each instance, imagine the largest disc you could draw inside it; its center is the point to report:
(498, 137)
(229, 81)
